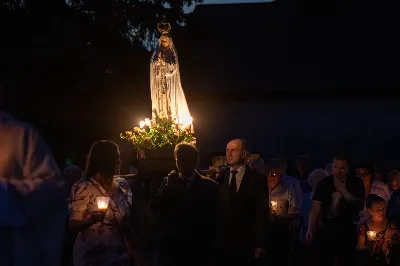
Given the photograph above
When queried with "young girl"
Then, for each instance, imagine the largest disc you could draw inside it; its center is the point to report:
(376, 235)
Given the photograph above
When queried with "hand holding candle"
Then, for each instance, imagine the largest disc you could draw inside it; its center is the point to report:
(274, 205)
(102, 205)
(371, 235)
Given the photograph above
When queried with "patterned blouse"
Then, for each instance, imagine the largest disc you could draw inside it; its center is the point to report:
(101, 244)
(379, 247)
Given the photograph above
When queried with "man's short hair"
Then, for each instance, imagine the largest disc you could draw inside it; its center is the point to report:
(188, 153)
(302, 158)
(342, 156)
(367, 166)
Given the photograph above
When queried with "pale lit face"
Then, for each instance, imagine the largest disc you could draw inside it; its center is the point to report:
(141, 154)
(339, 169)
(235, 153)
(364, 175)
(165, 41)
(273, 177)
(377, 212)
(393, 182)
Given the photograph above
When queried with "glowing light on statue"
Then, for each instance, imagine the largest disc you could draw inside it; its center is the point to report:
(167, 96)
(147, 122)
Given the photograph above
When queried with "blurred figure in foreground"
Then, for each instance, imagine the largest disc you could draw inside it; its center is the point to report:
(32, 198)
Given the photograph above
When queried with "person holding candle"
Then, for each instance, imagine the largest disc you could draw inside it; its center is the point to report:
(100, 207)
(376, 234)
(284, 213)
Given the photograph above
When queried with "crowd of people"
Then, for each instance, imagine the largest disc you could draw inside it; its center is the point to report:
(241, 211)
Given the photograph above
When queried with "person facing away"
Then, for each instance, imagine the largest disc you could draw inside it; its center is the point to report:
(32, 198)
(72, 174)
(104, 237)
(376, 235)
(339, 198)
(186, 210)
(243, 209)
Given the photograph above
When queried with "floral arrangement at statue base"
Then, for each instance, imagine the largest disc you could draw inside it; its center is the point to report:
(160, 132)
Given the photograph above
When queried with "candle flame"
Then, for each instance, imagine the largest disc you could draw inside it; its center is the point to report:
(102, 203)
(274, 205)
(371, 235)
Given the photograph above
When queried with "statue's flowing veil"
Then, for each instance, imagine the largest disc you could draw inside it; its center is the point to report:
(178, 99)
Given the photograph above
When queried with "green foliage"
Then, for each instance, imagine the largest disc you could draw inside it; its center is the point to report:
(158, 133)
(133, 20)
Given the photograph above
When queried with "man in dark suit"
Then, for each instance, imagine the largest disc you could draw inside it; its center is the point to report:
(243, 196)
(186, 210)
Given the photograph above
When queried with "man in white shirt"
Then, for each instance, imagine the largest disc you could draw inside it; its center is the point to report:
(32, 198)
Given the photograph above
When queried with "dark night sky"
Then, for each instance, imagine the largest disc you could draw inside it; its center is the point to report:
(288, 78)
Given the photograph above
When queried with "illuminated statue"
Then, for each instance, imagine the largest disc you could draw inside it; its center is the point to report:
(167, 96)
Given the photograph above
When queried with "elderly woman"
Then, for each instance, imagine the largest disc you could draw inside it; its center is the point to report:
(104, 238)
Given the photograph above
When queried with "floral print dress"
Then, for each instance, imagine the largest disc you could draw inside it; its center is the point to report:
(101, 244)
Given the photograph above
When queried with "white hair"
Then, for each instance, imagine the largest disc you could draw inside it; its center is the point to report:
(316, 176)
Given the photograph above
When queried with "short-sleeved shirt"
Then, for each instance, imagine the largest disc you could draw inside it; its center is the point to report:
(334, 205)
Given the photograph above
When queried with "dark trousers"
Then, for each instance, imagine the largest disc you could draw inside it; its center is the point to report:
(236, 257)
(338, 243)
(279, 243)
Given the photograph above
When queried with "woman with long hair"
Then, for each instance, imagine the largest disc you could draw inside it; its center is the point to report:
(104, 238)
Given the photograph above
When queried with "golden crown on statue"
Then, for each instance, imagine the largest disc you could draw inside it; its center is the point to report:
(164, 27)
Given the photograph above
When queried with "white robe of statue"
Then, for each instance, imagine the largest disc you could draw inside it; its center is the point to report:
(167, 96)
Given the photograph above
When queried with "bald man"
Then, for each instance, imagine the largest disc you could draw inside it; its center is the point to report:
(243, 198)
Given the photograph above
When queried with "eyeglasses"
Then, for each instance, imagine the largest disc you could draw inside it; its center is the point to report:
(363, 174)
(271, 174)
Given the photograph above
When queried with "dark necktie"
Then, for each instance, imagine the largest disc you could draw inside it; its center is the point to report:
(232, 185)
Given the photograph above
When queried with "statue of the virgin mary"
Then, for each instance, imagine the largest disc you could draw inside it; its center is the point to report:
(167, 96)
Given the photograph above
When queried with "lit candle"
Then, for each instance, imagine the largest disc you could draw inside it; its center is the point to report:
(102, 203)
(274, 205)
(371, 235)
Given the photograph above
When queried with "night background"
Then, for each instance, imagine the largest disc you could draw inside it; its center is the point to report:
(291, 77)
